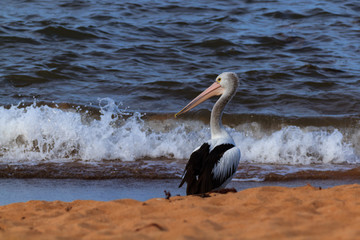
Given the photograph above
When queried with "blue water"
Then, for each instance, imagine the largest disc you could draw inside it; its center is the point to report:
(97, 83)
(22, 190)
(293, 58)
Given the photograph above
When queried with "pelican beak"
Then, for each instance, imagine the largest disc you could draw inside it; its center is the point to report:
(214, 90)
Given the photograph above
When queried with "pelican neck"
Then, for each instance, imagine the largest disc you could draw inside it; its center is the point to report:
(217, 129)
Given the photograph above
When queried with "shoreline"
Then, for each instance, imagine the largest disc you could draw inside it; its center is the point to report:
(67, 190)
(269, 212)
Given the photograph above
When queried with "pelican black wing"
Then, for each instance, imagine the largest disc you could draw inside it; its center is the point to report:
(198, 171)
(194, 166)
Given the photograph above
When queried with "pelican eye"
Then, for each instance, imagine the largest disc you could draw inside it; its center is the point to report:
(218, 80)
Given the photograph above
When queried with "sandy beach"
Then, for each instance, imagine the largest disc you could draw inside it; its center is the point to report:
(258, 213)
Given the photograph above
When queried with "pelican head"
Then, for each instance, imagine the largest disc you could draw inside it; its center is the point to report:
(225, 84)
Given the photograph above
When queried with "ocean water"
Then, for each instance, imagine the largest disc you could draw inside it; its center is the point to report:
(89, 89)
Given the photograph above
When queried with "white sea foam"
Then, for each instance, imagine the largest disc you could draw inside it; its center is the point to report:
(42, 134)
(294, 145)
(49, 134)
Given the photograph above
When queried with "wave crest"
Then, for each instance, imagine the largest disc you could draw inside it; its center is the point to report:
(36, 134)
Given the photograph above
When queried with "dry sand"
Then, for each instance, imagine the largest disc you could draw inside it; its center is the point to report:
(258, 213)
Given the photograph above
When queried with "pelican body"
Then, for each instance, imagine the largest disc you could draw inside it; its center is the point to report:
(213, 164)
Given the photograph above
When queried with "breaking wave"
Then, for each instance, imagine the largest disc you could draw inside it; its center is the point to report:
(38, 134)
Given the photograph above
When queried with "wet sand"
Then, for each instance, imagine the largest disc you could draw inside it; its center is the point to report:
(257, 213)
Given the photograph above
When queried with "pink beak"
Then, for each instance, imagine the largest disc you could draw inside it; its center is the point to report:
(214, 90)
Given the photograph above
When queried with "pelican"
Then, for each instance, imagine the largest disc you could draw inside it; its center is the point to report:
(212, 165)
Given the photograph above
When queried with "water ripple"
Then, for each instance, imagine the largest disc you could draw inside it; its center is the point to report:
(141, 52)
